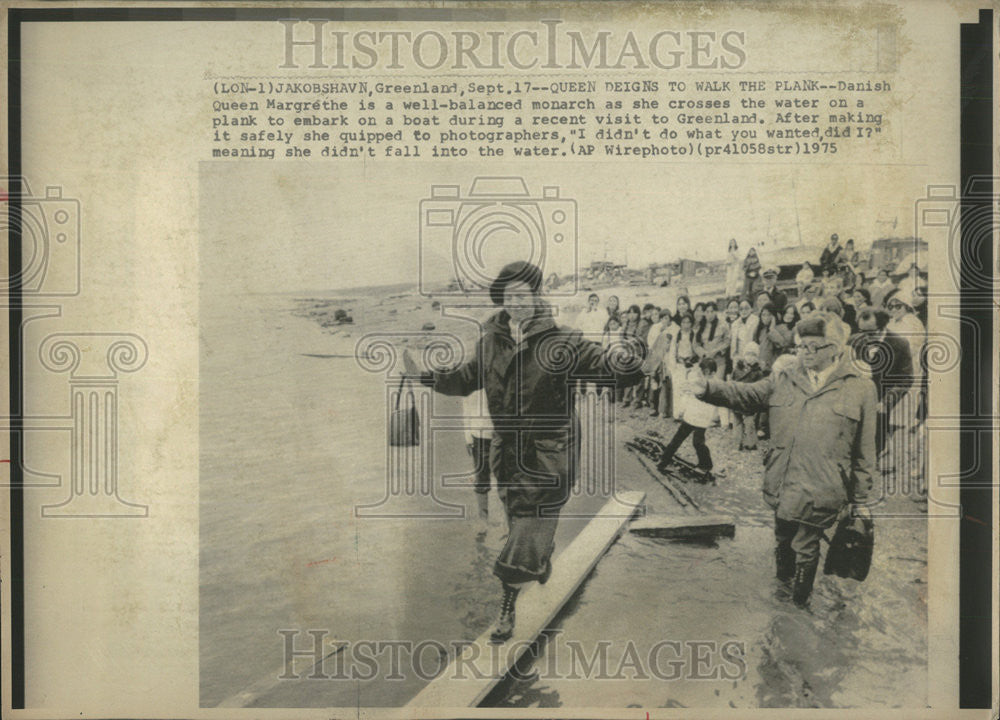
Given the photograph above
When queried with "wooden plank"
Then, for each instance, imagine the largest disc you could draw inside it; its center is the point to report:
(684, 526)
(467, 679)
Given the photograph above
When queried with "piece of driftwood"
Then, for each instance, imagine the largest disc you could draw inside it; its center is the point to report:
(684, 526)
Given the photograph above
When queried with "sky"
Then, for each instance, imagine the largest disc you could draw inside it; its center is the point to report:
(315, 225)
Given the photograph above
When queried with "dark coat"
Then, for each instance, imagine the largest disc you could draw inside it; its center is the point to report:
(829, 259)
(888, 360)
(777, 298)
(822, 441)
(529, 391)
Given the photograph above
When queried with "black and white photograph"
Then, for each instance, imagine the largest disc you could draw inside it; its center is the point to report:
(500, 359)
(506, 445)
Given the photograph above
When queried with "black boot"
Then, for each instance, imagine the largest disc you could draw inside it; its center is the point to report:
(784, 562)
(805, 574)
(504, 627)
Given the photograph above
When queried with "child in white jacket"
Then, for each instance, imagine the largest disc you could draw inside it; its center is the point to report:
(695, 416)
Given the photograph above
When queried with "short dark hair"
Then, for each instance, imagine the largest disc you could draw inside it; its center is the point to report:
(635, 309)
(592, 296)
(648, 306)
(518, 271)
(708, 365)
(865, 294)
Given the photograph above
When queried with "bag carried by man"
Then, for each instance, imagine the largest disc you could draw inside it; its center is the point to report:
(850, 553)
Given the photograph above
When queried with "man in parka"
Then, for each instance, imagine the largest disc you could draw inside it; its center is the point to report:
(528, 367)
(823, 418)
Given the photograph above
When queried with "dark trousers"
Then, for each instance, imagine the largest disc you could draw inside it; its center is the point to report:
(480, 451)
(881, 431)
(663, 401)
(799, 538)
(698, 438)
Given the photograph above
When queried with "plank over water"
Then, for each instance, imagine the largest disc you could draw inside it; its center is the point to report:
(468, 678)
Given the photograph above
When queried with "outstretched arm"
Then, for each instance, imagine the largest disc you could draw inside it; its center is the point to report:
(464, 379)
(621, 361)
(744, 398)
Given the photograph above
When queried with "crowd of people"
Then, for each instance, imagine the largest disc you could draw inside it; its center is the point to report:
(743, 335)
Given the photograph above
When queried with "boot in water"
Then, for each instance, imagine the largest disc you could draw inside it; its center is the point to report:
(805, 574)
(784, 563)
(504, 628)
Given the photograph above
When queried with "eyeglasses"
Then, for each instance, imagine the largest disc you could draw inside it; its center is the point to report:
(894, 306)
(812, 348)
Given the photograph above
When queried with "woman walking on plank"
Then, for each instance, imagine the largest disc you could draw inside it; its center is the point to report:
(527, 366)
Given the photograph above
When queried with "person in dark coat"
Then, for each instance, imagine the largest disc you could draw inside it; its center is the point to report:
(888, 359)
(830, 257)
(823, 415)
(776, 296)
(527, 366)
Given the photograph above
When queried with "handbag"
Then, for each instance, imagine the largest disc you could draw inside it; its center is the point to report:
(404, 422)
(850, 552)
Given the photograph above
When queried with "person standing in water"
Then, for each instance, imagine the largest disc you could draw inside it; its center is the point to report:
(823, 419)
(520, 361)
